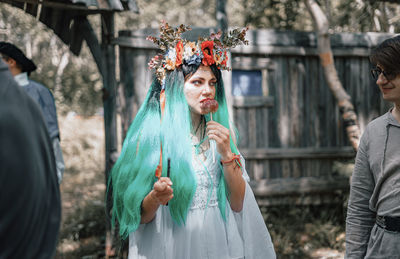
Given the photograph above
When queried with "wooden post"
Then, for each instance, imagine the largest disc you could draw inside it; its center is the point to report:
(222, 24)
(109, 104)
(222, 18)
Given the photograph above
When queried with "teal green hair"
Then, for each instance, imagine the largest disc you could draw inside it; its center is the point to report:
(133, 175)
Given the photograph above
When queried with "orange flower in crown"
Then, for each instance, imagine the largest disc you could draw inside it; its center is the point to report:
(177, 51)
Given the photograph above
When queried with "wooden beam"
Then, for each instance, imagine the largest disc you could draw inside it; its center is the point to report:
(132, 42)
(110, 115)
(255, 49)
(390, 1)
(252, 101)
(298, 153)
(303, 200)
(109, 90)
(93, 43)
(252, 63)
(298, 51)
(64, 6)
(298, 186)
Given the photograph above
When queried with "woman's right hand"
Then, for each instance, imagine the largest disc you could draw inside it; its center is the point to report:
(162, 191)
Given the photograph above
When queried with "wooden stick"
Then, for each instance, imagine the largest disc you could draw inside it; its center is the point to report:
(168, 171)
(213, 152)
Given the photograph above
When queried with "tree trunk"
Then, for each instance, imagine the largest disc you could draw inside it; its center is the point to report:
(59, 72)
(326, 57)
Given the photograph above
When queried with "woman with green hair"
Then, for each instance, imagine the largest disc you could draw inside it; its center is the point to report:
(180, 186)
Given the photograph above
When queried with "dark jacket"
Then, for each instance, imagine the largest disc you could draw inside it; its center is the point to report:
(30, 208)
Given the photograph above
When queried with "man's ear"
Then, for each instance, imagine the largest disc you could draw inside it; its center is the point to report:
(11, 62)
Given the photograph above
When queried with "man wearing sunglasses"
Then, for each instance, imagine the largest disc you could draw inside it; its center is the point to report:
(373, 216)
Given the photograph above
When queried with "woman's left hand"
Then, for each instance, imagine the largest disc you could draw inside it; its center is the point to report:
(220, 134)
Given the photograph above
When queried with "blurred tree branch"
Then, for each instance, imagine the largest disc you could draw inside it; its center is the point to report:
(326, 57)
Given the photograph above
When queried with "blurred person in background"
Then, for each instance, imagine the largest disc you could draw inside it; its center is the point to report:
(30, 207)
(373, 215)
(21, 67)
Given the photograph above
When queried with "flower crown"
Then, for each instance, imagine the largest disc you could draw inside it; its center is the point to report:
(177, 51)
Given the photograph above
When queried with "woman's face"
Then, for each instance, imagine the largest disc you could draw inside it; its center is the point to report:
(200, 87)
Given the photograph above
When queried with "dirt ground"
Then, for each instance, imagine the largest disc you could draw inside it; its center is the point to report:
(302, 232)
(82, 189)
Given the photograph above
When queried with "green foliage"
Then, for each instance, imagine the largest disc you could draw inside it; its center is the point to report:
(272, 14)
(74, 81)
(200, 13)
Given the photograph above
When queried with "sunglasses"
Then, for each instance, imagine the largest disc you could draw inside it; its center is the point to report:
(375, 72)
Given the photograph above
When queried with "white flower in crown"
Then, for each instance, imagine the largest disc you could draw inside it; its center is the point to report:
(170, 59)
(218, 56)
(189, 49)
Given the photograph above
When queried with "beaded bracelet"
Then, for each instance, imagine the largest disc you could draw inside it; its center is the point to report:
(235, 158)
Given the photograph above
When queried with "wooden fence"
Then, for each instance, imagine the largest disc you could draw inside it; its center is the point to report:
(289, 124)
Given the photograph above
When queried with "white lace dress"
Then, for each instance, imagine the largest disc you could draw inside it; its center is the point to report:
(205, 234)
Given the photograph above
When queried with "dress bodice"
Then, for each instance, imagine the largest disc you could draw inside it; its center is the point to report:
(207, 175)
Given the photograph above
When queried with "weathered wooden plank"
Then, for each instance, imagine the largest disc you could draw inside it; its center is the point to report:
(303, 199)
(298, 186)
(258, 167)
(320, 87)
(296, 168)
(56, 5)
(297, 153)
(273, 139)
(300, 51)
(139, 74)
(32, 9)
(311, 99)
(252, 63)
(261, 127)
(149, 75)
(265, 37)
(252, 101)
(275, 169)
(250, 168)
(266, 169)
(283, 113)
(241, 123)
(129, 104)
(286, 170)
(336, 139)
(295, 103)
(252, 126)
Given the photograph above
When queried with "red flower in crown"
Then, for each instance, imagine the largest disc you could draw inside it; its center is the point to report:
(225, 59)
(207, 49)
(179, 53)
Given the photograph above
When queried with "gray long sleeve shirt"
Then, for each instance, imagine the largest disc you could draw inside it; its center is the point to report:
(44, 98)
(375, 186)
